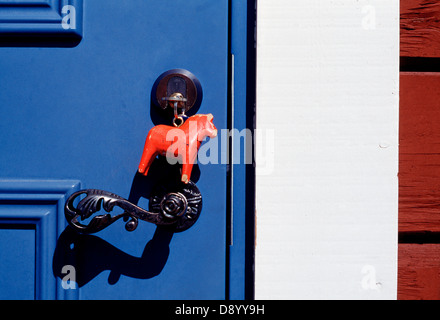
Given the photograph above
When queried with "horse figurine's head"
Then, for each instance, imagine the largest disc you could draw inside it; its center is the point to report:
(205, 126)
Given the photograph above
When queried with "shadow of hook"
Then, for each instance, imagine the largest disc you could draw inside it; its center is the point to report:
(90, 255)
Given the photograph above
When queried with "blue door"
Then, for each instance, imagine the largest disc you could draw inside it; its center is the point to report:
(75, 102)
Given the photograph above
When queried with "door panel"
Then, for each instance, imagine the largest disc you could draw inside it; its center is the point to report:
(82, 113)
(23, 260)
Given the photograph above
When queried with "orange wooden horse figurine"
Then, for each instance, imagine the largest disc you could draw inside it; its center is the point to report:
(182, 142)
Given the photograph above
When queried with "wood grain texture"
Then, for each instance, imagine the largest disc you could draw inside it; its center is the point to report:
(419, 152)
(419, 272)
(419, 28)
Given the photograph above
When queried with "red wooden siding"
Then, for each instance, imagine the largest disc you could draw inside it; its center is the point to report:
(419, 28)
(419, 174)
(419, 153)
(419, 271)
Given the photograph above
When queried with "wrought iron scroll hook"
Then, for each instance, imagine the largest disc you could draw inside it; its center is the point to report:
(177, 210)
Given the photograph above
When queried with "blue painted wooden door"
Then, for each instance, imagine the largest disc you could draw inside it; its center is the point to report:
(75, 108)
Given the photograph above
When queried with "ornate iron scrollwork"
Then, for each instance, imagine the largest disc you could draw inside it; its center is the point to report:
(175, 207)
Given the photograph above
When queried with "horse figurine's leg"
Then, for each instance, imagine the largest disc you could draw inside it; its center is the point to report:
(190, 159)
(149, 154)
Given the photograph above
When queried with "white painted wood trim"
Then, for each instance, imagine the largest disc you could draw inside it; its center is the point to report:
(327, 188)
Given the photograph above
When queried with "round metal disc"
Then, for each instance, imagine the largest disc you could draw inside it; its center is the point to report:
(182, 80)
(174, 189)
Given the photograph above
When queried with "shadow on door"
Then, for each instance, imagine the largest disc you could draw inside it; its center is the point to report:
(93, 255)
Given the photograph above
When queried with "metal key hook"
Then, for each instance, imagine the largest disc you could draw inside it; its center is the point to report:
(177, 101)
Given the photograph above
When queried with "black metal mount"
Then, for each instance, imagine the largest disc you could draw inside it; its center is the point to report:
(175, 207)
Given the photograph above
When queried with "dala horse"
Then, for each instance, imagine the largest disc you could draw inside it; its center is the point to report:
(182, 143)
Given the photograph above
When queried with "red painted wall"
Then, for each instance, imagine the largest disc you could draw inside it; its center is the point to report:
(419, 152)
